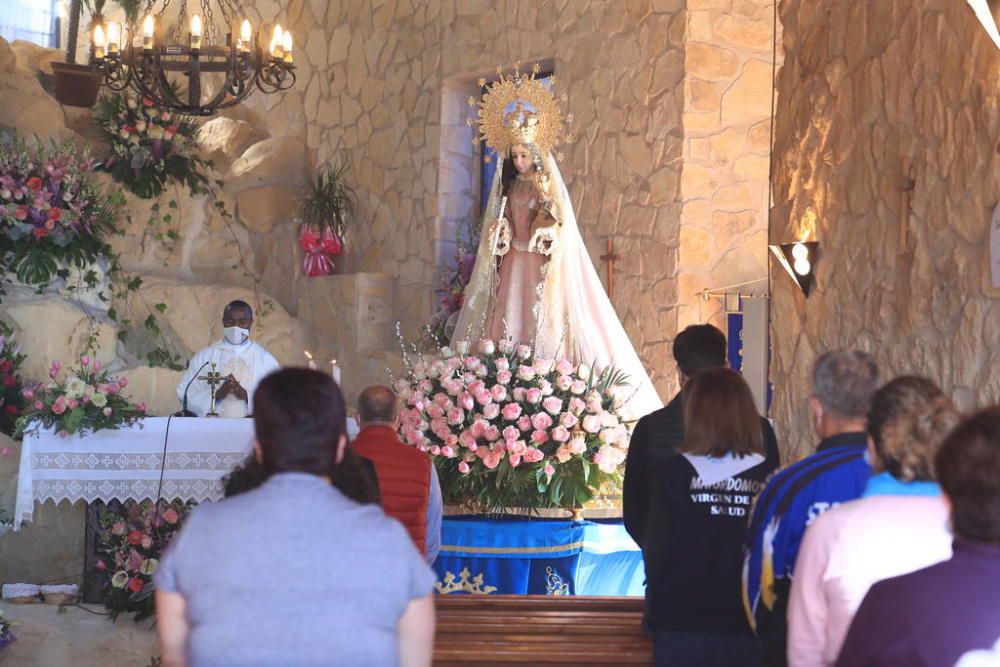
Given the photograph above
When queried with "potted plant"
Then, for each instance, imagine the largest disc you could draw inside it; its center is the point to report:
(76, 84)
(327, 203)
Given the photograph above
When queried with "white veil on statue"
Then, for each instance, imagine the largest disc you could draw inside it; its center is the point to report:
(574, 316)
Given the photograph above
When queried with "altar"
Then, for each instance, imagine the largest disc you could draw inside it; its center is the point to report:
(159, 457)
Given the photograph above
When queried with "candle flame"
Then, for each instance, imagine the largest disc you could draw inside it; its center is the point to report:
(308, 354)
(246, 31)
(196, 26)
(147, 26)
(99, 36)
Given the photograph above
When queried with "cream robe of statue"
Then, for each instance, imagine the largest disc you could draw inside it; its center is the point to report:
(248, 362)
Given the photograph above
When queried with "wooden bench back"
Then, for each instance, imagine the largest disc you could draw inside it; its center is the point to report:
(540, 630)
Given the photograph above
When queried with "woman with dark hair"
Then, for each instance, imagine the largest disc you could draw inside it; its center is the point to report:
(293, 571)
(947, 613)
(899, 525)
(693, 552)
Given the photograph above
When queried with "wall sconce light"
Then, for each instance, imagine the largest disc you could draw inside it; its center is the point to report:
(799, 260)
(988, 13)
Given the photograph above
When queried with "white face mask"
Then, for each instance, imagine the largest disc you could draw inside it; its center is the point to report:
(236, 335)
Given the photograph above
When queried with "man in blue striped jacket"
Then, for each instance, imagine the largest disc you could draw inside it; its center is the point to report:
(843, 383)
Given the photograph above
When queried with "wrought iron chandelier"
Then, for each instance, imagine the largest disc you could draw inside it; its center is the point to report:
(239, 66)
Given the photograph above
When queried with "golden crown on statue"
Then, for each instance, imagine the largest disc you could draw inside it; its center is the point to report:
(518, 109)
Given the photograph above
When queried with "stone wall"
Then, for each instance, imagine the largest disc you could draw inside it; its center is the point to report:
(399, 72)
(867, 87)
(724, 190)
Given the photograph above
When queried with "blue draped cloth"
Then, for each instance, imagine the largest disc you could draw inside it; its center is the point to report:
(522, 556)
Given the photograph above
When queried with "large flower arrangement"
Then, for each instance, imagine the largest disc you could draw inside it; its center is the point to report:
(11, 400)
(148, 146)
(86, 399)
(130, 540)
(52, 216)
(506, 429)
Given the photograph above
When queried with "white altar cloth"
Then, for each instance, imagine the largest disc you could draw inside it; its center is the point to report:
(126, 463)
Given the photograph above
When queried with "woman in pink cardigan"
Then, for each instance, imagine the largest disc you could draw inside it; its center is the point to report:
(898, 526)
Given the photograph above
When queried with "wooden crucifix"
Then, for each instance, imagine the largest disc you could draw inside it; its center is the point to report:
(609, 257)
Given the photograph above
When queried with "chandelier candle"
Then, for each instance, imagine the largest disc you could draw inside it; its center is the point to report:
(168, 56)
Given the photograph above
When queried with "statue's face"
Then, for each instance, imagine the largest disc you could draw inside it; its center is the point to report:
(522, 158)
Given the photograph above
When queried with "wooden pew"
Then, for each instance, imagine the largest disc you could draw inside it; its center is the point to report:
(540, 630)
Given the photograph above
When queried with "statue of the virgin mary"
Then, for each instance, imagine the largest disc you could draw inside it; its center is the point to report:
(533, 280)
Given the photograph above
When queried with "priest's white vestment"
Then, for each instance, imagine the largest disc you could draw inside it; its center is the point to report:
(248, 362)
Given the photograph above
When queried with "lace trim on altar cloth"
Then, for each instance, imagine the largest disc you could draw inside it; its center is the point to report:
(148, 461)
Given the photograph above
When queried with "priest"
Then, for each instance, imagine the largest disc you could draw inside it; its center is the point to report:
(241, 363)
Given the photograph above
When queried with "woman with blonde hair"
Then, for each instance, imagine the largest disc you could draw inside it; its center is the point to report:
(898, 526)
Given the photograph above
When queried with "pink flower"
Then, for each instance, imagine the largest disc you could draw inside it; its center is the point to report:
(578, 387)
(451, 440)
(514, 460)
(560, 434)
(541, 421)
(39, 405)
(539, 437)
(576, 405)
(122, 382)
(464, 468)
(518, 447)
(491, 411)
(118, 528)
(568, 419)
(436, 450)
(466, 440)
(147, 541)
(491, 460)
(441, 400)
(456, 416)
(97, 365)
(523, 351)
(549, 470)
(52, 373)
(492, 434)
(435, 412)
(101, 565)
(526, 373)
(511, 433)
(5, 452)
(565, 367)
(56, 366)
(553, 405)
(533, 396)
(141, 407)
(564, 382)
(517, 394)
(563, 455)
(447, 452)
(72, 403)
(85, 359)
(467, 401)
(502, 364)
(499, 392)
(58, 407)
(487, 346)
(484, 397)
(578, 445)
(504, 377)
(476, 386)
(591, 423)
(28, 394)
(478, 429)
(511, 411)
(533, 455)
(524, 423)
(170, 516)
(594, 404)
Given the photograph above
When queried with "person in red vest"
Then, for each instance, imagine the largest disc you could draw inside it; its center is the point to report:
(409, 484)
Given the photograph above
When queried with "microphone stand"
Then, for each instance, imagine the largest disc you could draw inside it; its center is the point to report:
(184, 412)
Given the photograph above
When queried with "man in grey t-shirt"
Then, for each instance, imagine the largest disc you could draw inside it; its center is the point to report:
(293, 572)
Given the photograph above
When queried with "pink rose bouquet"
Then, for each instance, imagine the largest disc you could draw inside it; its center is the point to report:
(80, 400)
(506, 429)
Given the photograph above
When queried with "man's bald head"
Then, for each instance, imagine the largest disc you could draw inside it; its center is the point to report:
(377, 405)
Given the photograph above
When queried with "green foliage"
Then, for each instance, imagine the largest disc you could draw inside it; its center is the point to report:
(328, 200)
